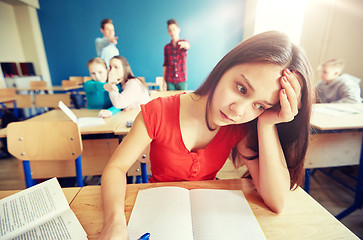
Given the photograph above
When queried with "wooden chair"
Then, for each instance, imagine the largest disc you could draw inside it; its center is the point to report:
(77, 79)
(38, 84)
(7, 92)
(51, 100)
(86, 78)
(69, 83)
(45, 141)
(160, 82)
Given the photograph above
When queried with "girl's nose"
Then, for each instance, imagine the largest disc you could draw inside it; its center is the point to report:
(237, 109)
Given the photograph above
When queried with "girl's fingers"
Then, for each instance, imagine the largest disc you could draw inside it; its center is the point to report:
(285, 111)
(296, 83)
(290, 94)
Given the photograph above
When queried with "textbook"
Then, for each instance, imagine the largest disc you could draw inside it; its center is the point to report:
(199, 214)
(83, 121)
(39, 212)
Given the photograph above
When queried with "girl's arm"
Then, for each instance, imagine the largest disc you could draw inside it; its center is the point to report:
(131, 94)
(269, 172)
(114, 180)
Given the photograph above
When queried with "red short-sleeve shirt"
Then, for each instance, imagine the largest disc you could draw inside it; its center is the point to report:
(170, 159)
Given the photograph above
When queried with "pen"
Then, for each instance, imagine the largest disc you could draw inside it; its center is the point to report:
(146, 236)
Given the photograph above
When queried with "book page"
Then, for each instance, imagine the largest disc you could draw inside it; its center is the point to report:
(90, 121)
(223, 214)
(63, 227)
(23, 211)
(164, 212)
(67, 111)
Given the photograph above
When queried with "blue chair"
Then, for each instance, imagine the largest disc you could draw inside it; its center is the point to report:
(45, 141)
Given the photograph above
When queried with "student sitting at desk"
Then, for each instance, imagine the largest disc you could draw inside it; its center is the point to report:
(257, 101)
(134, 90)
(336, 87)
(97, 97)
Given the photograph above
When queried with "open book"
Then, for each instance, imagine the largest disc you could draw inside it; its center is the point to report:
(199, 214)
(83, 121)
(39, 212)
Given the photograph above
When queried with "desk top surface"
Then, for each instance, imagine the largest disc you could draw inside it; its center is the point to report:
(111, 123)
(70, 193)
(50, 88)
(334, 116)
(302, 218)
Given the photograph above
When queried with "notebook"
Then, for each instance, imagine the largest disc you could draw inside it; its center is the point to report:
(83, 121)
(199, 214)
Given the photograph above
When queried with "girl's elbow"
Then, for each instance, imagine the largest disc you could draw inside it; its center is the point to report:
(277, 207)
(277, 203)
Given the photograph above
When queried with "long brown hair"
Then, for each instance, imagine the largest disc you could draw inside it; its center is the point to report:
(128, 74)
(271, 47)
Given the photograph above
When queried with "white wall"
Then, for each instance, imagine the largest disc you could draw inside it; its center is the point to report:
(21, 39)
(334, 29)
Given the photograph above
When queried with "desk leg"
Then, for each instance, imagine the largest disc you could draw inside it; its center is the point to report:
(307, 180)
(358, 199)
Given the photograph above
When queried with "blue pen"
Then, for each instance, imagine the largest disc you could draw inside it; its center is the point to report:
(146, 236)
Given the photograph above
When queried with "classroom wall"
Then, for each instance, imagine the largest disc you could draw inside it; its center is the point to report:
(333, 29)
(21, 39)
(69, 29)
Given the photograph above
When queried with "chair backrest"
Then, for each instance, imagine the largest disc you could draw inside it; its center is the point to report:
(44, 140)
(86, 78)
(69, 83)
(37, 84)
(52, 100)
(77, 79)
(159, 81)
(7, 92)
(22, 101)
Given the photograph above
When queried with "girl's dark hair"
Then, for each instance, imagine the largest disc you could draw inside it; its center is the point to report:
(276, 48)
(128, 74)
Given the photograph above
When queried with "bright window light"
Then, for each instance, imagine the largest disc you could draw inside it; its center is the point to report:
(281, 15)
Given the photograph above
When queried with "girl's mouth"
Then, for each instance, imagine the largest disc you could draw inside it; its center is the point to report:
(225, 117)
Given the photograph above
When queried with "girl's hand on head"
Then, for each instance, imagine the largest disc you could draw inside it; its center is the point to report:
(290, 100)
(105, 113)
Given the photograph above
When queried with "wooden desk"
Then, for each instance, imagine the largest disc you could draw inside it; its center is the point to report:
(96, 150)
(51, 88)
(338, 142)
(127, 116)
(70, 193)
(302, 218)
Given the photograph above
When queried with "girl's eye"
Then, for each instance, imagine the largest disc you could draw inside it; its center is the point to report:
(260, 107)
(241, 88)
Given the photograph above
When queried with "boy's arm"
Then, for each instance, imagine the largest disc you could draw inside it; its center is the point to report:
(114, 179)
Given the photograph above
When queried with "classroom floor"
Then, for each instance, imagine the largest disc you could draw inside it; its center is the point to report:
(331, 195)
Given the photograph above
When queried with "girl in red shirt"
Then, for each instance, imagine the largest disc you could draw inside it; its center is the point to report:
(256, 102)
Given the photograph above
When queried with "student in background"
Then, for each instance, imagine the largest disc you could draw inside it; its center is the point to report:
(337, 87)
(134, 90)
(97, 97)
(106, 46)
(175, 59)
(256, 102)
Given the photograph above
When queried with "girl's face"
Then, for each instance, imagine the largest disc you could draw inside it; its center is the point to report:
(117, 68)
(98, 72)
(244, 92)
